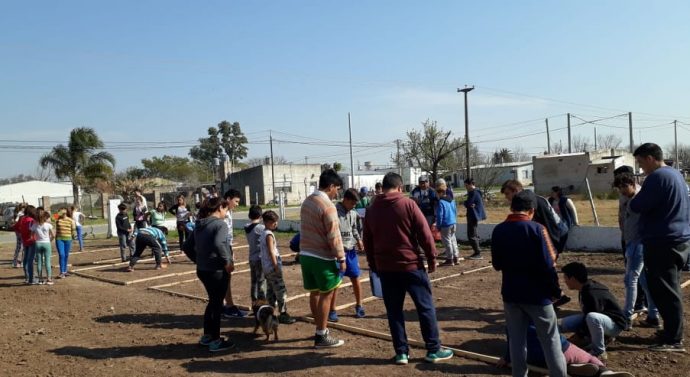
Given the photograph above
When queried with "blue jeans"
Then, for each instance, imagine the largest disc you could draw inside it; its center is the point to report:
(395, 286)
(599, 325)
(80, 238)
(125, 244)
(518, 318)
(63, 248)
(634, 264)
(28, 262)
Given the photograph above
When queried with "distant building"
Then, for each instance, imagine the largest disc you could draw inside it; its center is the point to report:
(295, 181)
(498, 173)
(570, 170)
(31, 192)
(368, 175)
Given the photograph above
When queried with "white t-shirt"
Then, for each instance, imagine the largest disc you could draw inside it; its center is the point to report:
(42, 232)
(228, 221)
(266, 262)
(76, 216)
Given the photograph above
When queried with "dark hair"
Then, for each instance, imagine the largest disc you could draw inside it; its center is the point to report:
(624, 179)
(211, 205)
(45, 215)
(557, 189)
(329, 177)
(232, 194)
(378, 185)
(254, 212)
(575, 270)
(511, 185)
(68, 212)
(391, 181)
(624, 169)
(469, 181)
(30, 211)
(523, 201)
(649, 149)
(351, 194)
(270, 216)
(122, 206)
(165, 206)
(181, 195)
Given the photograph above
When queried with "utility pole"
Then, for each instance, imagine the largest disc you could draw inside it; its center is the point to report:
(675, 143)
(273, 174)
(632, 145)
(595, 139)
(467, 132)
(548, 137)
(397, 157)
(570, 143)
(352, 164)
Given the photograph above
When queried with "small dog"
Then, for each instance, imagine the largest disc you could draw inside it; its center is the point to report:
(264, 316)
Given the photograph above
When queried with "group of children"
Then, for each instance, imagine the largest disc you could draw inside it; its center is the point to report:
(35, 233)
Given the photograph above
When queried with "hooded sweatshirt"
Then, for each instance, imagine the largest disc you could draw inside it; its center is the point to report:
(394, 230)
(211, 243)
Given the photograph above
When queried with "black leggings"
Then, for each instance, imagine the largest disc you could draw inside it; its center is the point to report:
(216, 284)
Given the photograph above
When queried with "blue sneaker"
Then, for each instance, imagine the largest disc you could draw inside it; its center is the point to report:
(359, 311)
(332, 316)
(441, 354)
(205, 340)
(233, 312)
(220, 345)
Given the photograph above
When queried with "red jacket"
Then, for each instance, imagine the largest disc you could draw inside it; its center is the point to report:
(394, 231)
(24, 227)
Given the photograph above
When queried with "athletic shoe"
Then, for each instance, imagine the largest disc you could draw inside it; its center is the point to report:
(221, 344)
(640, 309)
(663, 347)
(285, 319)
(332, 316)
(441, 354)
(127, 269)
(61, 276)
(650, 323)
(588, 369)
(205, 340)
(233, 312)
(327, 341)
(49, 282)
(476, 257)
(448, 262)
(561, 301)
(401, 359)
(457, 259)
(359, 311)
(602, 356)
(609, 373)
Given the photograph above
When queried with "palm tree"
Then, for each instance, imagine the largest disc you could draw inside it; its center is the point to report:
(79, 160)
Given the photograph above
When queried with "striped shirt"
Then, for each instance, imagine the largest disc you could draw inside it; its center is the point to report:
(320, 228)
(65, 229)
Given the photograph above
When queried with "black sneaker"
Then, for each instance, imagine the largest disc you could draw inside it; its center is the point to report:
(285, 319)
(327, 341)
(650, 323)
(220, 345)
(561, 301)
(476, 257)
(664, 347)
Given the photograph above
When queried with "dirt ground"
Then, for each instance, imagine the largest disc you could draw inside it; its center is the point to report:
(82, 326)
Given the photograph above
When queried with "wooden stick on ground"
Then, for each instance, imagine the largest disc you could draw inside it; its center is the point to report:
(685, 284)
(379, 335)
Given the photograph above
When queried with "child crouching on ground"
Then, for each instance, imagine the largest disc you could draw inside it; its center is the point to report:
(272, 266)
(446, 219)
(253, 231)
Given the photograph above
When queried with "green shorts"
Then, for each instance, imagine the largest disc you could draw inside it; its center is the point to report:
(319, 274)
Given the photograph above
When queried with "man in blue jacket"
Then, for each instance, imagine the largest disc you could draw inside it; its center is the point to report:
(665, 230)
(522, 251)
(475, 214)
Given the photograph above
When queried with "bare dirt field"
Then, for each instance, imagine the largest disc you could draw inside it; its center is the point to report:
(108, 322)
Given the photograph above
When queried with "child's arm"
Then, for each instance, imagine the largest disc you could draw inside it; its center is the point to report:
(270, 245)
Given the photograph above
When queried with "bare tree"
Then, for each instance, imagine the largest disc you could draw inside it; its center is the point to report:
(258, 161)
(557, 148)
(488, 175)
(520, 155)
(683, 154)
(430, 148)
(581, 144)
(608, 141)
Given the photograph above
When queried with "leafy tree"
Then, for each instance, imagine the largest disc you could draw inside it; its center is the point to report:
(430, 147)
(228, 138)
(179, 169)
(337, 166)
(80, 160)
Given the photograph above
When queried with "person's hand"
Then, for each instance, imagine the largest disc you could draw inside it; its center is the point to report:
(343, 265)
(230, 268)
(432, 268)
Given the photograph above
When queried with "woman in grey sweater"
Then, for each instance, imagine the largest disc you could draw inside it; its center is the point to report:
(213, 267)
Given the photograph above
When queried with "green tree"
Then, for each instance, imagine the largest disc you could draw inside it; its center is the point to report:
(228, 138)
(502, 156)
(430, 148)
(179, 169)
(80, 161)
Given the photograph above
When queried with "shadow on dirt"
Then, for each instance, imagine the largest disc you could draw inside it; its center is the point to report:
(171, 321)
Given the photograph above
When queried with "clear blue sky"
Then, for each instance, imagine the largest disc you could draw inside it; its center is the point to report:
(167, 70)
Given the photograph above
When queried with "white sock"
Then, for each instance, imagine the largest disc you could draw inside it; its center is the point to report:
(322, 332)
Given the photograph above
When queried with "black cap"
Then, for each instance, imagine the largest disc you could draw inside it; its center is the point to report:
(524, 201)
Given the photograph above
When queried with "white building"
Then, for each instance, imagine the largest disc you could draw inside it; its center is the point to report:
(31, 191)
(498, 173)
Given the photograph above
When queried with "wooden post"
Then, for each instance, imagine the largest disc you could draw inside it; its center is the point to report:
(591, 202)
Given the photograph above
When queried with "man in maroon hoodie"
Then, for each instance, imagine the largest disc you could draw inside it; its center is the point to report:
(394, 231)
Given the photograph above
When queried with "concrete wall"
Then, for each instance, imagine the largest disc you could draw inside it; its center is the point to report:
(297, 179)
(560, 171)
